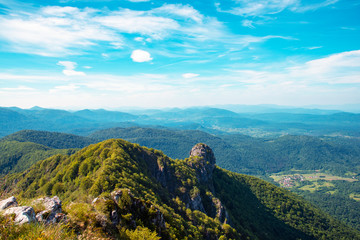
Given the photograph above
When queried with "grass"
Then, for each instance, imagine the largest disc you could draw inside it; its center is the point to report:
(33, 231)
(355, 196)
(315, 186)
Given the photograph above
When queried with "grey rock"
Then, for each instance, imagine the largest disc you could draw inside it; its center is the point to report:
(10, 202)
(196, 204)
(23, 214)
(52, 208)
(202, 159)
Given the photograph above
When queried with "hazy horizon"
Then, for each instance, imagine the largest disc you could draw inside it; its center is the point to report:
(155, 54)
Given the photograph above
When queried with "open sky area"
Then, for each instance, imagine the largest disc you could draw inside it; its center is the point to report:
(77, 54)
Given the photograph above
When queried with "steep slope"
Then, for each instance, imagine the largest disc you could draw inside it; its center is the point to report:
(50, 139)
(190, 197)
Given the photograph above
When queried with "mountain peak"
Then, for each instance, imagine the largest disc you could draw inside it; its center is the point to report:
(203, 159)
(203, 151)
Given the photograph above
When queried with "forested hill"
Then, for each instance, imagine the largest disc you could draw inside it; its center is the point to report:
(193, 197)
(244, 154)
(18, 156)
(50, 139)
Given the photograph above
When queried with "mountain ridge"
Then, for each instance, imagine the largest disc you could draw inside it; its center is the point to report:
(180, 190)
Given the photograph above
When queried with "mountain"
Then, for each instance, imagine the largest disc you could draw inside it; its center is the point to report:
(117, 189)
(50, 139)
(105, 116)
(211, 120)
(176, 143)
(17, 156)
(244, 154)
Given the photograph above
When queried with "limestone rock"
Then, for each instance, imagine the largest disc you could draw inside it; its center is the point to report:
(23, 214)
(10, 202)
(203, 151)
(52, 208)
(203, 160)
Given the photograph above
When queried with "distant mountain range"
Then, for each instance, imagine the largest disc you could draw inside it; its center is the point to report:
(211, 120)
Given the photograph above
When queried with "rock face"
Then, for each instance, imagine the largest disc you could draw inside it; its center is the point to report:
(10, 202)
(52, 212)
(203, 161)
(23, 214)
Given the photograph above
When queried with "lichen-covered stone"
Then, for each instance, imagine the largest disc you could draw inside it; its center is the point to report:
(24, 214)
(10, 202)
(52, 208)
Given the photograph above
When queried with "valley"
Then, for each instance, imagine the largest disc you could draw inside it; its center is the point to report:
(323, 169)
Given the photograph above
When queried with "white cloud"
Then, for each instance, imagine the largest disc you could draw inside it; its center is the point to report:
(18, 89)
(184, 11)
(247, 23)
(69, 68)
(70, 87)
(129, 21)
(258, 8)
(190, 75)
(61, 31)
(337, 68)
(53, 31)
(140, 56)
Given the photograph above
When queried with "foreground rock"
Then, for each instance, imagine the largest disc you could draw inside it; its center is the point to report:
(52, 212)
(10, 202)
(23, 214)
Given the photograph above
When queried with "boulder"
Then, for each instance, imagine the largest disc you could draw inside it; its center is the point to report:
(23, 214)
(52, 208)
(10, 202)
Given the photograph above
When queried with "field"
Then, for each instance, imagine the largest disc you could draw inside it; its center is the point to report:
(309, 180)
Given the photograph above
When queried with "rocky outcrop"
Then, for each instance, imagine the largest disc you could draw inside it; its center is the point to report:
(10, 202)
(196, 203)
(122, 207)
(126, 201)
(23, 214)
(52, 212)
(203, 160)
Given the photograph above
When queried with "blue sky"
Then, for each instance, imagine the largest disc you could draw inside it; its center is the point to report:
(110, 54)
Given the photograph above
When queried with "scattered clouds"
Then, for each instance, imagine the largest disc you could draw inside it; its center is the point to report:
(250, 8)
(56, 31)
(70, 68)
(53, 31)
(328, 80)
(140, 56)
(190, 75)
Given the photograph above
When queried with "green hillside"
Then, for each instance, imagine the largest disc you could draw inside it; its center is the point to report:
(17, 156)
(189, 195)
(249, 155)
(50, 139)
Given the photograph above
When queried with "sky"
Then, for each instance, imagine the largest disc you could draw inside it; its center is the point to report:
(76, 54)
